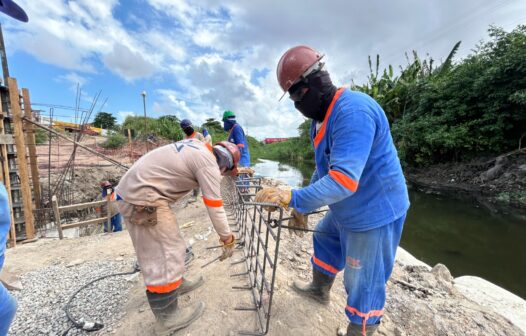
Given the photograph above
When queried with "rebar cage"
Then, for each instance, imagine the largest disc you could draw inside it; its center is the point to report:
(259, 236)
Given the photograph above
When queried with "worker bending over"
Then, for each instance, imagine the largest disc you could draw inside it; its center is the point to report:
(146, 191)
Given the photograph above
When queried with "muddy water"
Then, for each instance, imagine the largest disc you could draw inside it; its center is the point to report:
(467, 238)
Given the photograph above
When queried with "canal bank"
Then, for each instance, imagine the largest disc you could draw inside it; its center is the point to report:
(460, 233)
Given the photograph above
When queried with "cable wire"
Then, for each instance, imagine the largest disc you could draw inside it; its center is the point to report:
(88, 325)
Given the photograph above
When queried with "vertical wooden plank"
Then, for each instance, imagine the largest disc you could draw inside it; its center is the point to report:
(108, 212)
(129, 136)
(21, 158)
(56, 212)
(31, 146)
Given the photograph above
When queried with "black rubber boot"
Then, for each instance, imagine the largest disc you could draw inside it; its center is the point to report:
(189, 285)
(319, 289)
(357, 329)
(169, 316)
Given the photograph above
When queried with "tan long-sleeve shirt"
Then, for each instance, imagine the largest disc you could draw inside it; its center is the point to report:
(170, 172)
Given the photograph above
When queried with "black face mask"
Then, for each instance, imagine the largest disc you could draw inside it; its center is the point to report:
(188, 131)
(318, 97)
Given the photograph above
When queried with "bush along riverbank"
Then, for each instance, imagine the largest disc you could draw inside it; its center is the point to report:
(494, 182)
(459, 127)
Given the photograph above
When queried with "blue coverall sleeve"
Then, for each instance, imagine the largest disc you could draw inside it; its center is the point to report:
(352, 138)
(314, 176)
(239, 136)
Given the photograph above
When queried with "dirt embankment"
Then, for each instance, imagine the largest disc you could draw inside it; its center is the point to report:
(494, 182)
(420, 300)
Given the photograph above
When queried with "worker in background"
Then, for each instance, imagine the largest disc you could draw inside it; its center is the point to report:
(156, 180)
(208, 137)
(190, 132)
(236, 135)
(7, 302)
(116, 218)
(358, 175)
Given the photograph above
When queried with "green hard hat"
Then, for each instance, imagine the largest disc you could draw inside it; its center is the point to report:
(228, 114)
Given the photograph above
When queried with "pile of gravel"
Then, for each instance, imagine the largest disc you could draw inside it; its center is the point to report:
(46, 291)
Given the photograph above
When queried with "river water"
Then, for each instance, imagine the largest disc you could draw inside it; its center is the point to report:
(467, 238)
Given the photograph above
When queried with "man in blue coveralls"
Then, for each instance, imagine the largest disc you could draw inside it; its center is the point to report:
(237, 136)
(7, 302)
(358, 175)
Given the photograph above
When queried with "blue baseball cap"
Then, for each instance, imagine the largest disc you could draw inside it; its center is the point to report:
(184, 123)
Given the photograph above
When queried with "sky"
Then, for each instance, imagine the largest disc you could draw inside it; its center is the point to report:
(195, 59)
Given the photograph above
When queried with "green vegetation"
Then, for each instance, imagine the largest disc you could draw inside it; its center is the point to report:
(104, 120)
(297, 149)
(166, 126)
(452, 112)
(41, 136)
(114, 140)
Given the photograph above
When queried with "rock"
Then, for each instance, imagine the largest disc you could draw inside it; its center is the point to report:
(441, 272)
(291, 257)
(10, 281)
(119, 259)
(342, 331)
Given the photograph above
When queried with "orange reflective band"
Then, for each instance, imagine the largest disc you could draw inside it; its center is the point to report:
(344, 180)
(321, 132)
(165, 288)
(325, 266)
(241, 145)
(191, 136)
(364, 316)
(209, 146)
(213, 203)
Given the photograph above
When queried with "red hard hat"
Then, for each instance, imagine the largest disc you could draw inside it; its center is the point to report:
(234, 151)
(295, 63)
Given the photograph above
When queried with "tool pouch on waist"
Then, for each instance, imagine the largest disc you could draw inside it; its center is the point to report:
(144, 215)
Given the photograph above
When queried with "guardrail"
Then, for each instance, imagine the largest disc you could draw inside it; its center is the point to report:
(57, 210)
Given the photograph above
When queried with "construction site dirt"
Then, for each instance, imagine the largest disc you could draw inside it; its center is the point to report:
(420, 300)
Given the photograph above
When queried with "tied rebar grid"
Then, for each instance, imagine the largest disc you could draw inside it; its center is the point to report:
(259, 236)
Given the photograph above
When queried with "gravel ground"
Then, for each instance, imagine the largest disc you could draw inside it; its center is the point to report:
(46, 291)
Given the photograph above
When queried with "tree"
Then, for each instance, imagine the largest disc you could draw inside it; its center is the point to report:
(212, 125)
(104, 120)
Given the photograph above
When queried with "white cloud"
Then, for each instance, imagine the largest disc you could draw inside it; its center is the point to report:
(128, 64)
(206, 51)
(73, 79)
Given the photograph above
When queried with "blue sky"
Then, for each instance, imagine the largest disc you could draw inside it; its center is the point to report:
(197, 58)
